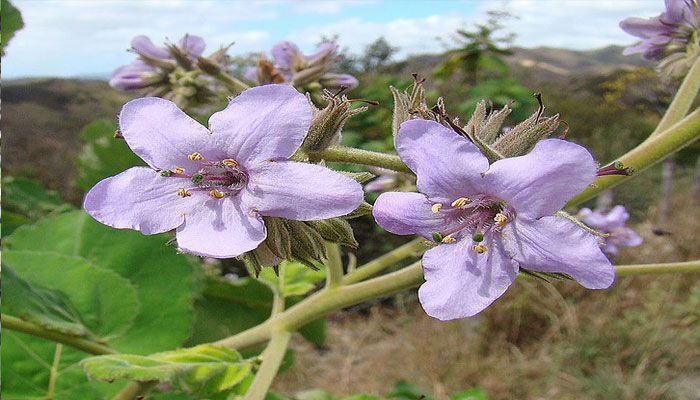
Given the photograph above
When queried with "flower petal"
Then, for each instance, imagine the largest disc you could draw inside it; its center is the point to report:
(554, 244)
(192, 45)
(406, 213)
(284, 52)
(448, 166)
(220, 228)
(131, 76)
(139, 198)
(143, 45)
(301, 191)
(461, 282)
(161, 134)
(540, 183)
(263, 122)
(644, 27)
(323, 49)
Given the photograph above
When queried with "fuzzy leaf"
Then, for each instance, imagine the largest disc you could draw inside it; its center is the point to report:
(94, 302)
(163, 279)
(200, 371)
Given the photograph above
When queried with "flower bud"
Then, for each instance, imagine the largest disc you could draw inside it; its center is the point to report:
(208, 66)
(335, 230)
(336, 81)
(326, 124)
(409, 105)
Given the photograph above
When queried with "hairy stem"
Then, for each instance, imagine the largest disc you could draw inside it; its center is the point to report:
(334, 266)
(134, 389)
(413, 248)
(232, 83)
(88, 346)
(668, 268)
(647, 154)
(364, 157)
(325, 301)
(272, 358)
(681, 103)
(54, 370)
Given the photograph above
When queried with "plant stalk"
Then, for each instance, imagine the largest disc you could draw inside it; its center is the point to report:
(682, 101)
(363, 157)
(272, 358)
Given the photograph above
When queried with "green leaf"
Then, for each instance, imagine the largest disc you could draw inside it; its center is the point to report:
(202, 370)
(26, 367)
(405, 391)
(11, 22)
(295, 278)
(93, 302)
(103, 155)
(24, 200)
(163, 279)
(41, 306)
(470, 394)
(226, 307)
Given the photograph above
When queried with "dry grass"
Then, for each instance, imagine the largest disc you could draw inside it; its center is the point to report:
(637, 340)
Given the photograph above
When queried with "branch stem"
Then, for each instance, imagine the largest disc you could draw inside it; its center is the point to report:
(334, 266)
(413, 248)
(668, 268)
(647, 154)
(88, 346)
(682, 101)
(363, 157)
(272, 358)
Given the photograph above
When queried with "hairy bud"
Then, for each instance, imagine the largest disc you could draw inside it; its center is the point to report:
(326, 124)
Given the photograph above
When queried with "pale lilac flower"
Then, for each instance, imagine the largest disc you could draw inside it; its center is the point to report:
(390, 180)
(297, 68)
(154, 62)
(612, 223)
(667, 33)
(491, 220)
(213, 185)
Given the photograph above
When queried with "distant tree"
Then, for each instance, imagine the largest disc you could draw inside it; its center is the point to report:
(479, 50)
(377, 54)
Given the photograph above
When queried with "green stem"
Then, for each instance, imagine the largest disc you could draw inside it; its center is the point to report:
(364, 157)
(684, 98)
(87, 346)
(413, 248)
(231, 82)
(334, 266)
(325, 301)
(641, 269)
(134, 389)
(272, 358)
(647, 154)
(54, 370)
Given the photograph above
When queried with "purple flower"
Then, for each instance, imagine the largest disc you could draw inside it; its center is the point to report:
(612, 223)
(154, 63)
(298, 68)
(491, 220)
(214, 185)
(666, 33)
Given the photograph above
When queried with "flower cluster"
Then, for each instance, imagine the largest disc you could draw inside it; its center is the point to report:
(671, 37)
(613, 224)
(490, 220)
(299, 69)
(214, 185)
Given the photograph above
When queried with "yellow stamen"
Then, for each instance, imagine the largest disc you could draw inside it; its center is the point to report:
(460, 202)
(436, 207)
(194, 156)
(216, 194)
(448, 239)
(184, 193)
(177, 170)
(230, 162)
(480, 248)
(500, 219)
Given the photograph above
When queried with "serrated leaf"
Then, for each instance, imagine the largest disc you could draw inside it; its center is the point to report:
(202, 370)
(103, 155)
(163, 279)
(44, 307)
(103, 303)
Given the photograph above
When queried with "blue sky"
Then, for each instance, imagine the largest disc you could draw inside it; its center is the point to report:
(88, 37)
